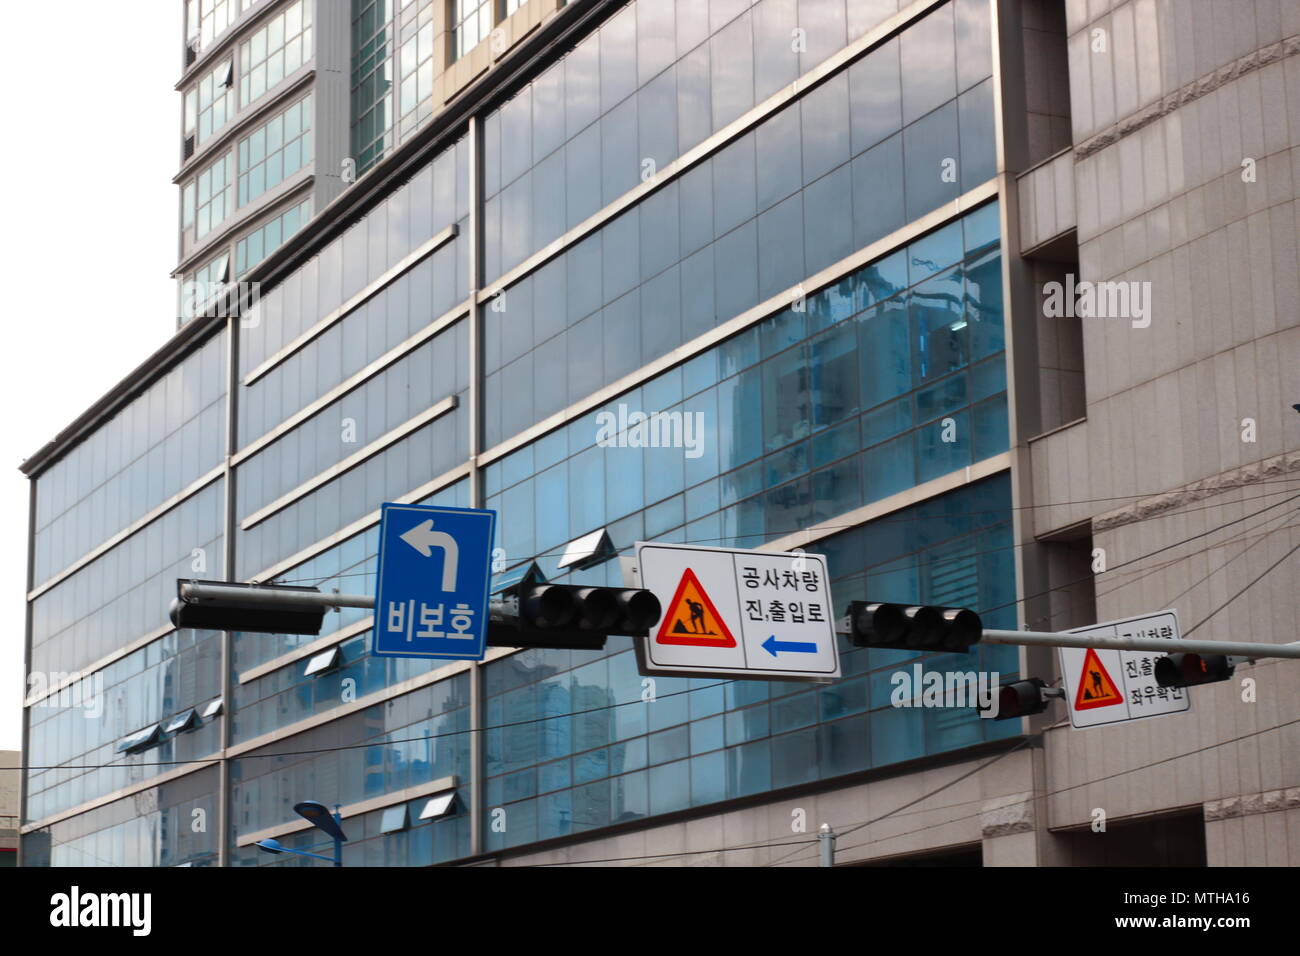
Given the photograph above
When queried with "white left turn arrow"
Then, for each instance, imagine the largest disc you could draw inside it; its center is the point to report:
(424, 539)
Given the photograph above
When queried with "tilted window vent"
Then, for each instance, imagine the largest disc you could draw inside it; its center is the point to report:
(439, 805)
(212, 708)
(185, 720)
(394, 819)
(323, 662)
(588, 551)
(140, 740)
(509, 579)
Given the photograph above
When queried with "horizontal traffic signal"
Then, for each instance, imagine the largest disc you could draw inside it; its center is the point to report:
(252, 608)
(1188, 670)
(572, 616)
(913, 627)
(1022, 698)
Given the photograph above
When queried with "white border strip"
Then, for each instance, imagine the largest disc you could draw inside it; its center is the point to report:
(192, 489)
(357, 379)
(444, 480)
(353, 460)
(370, 291)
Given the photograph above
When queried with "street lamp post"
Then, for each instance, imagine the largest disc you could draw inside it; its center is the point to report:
(318, 815)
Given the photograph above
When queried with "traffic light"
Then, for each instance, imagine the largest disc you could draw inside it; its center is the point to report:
(1188, 670)
(539, 614)
(261, 609)
(1022, 698)
(913, 628)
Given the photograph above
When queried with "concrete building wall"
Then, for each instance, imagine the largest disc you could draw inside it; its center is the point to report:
(1190, 434)
(937, 809)
(10, 799)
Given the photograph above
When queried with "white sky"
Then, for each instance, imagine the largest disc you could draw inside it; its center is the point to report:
(88, 241)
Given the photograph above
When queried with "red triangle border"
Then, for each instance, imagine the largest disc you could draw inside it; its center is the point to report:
(665, 636)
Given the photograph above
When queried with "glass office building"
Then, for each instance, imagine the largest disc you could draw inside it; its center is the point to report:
(799, 221)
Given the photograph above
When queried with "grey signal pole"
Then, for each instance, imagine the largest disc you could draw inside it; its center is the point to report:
(826, 837)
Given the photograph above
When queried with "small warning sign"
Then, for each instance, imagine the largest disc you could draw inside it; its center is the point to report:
(691, 618)
(1096, 689)
(1105, 685)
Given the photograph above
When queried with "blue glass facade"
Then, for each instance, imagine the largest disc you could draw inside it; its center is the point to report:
(572, 746)
(82, 723)
(807, 415)
(754, 219)
(171, 824)
(357, 386)
(404, 742)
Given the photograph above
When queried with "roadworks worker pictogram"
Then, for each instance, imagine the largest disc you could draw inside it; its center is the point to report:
(1096, 689)
(691, 618)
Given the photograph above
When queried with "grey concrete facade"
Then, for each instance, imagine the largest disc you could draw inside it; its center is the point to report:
(10, 799)
(1187, 163)
(323, 74)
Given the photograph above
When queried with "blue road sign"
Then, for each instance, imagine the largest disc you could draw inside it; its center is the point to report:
(434, 568)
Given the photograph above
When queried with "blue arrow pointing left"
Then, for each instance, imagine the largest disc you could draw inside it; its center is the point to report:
(774, 647)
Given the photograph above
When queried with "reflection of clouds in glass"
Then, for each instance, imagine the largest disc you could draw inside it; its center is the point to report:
(928, 60)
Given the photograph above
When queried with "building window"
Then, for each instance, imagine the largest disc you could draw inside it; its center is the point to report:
(510, 6)
(210, 196)
(394, 819)
(372, 80)
(276, 151)
(472, 21)
(275, 51)
(205, 283)
(205, 20)
(263, 241)
(417, 69)
(210, 104)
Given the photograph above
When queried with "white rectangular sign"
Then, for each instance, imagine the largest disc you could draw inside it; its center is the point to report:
(738, 613)
(1104, 686)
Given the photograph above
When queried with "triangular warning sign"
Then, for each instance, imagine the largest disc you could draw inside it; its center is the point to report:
(691, 618)
(1096, 689)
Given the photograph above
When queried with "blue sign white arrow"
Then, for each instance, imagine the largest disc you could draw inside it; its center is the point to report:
(431, 600)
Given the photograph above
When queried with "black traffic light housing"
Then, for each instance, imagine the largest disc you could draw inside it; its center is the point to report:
(1022, 698)
(250, 615)
(536, 613)
(1188, 670)
(913, 627)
